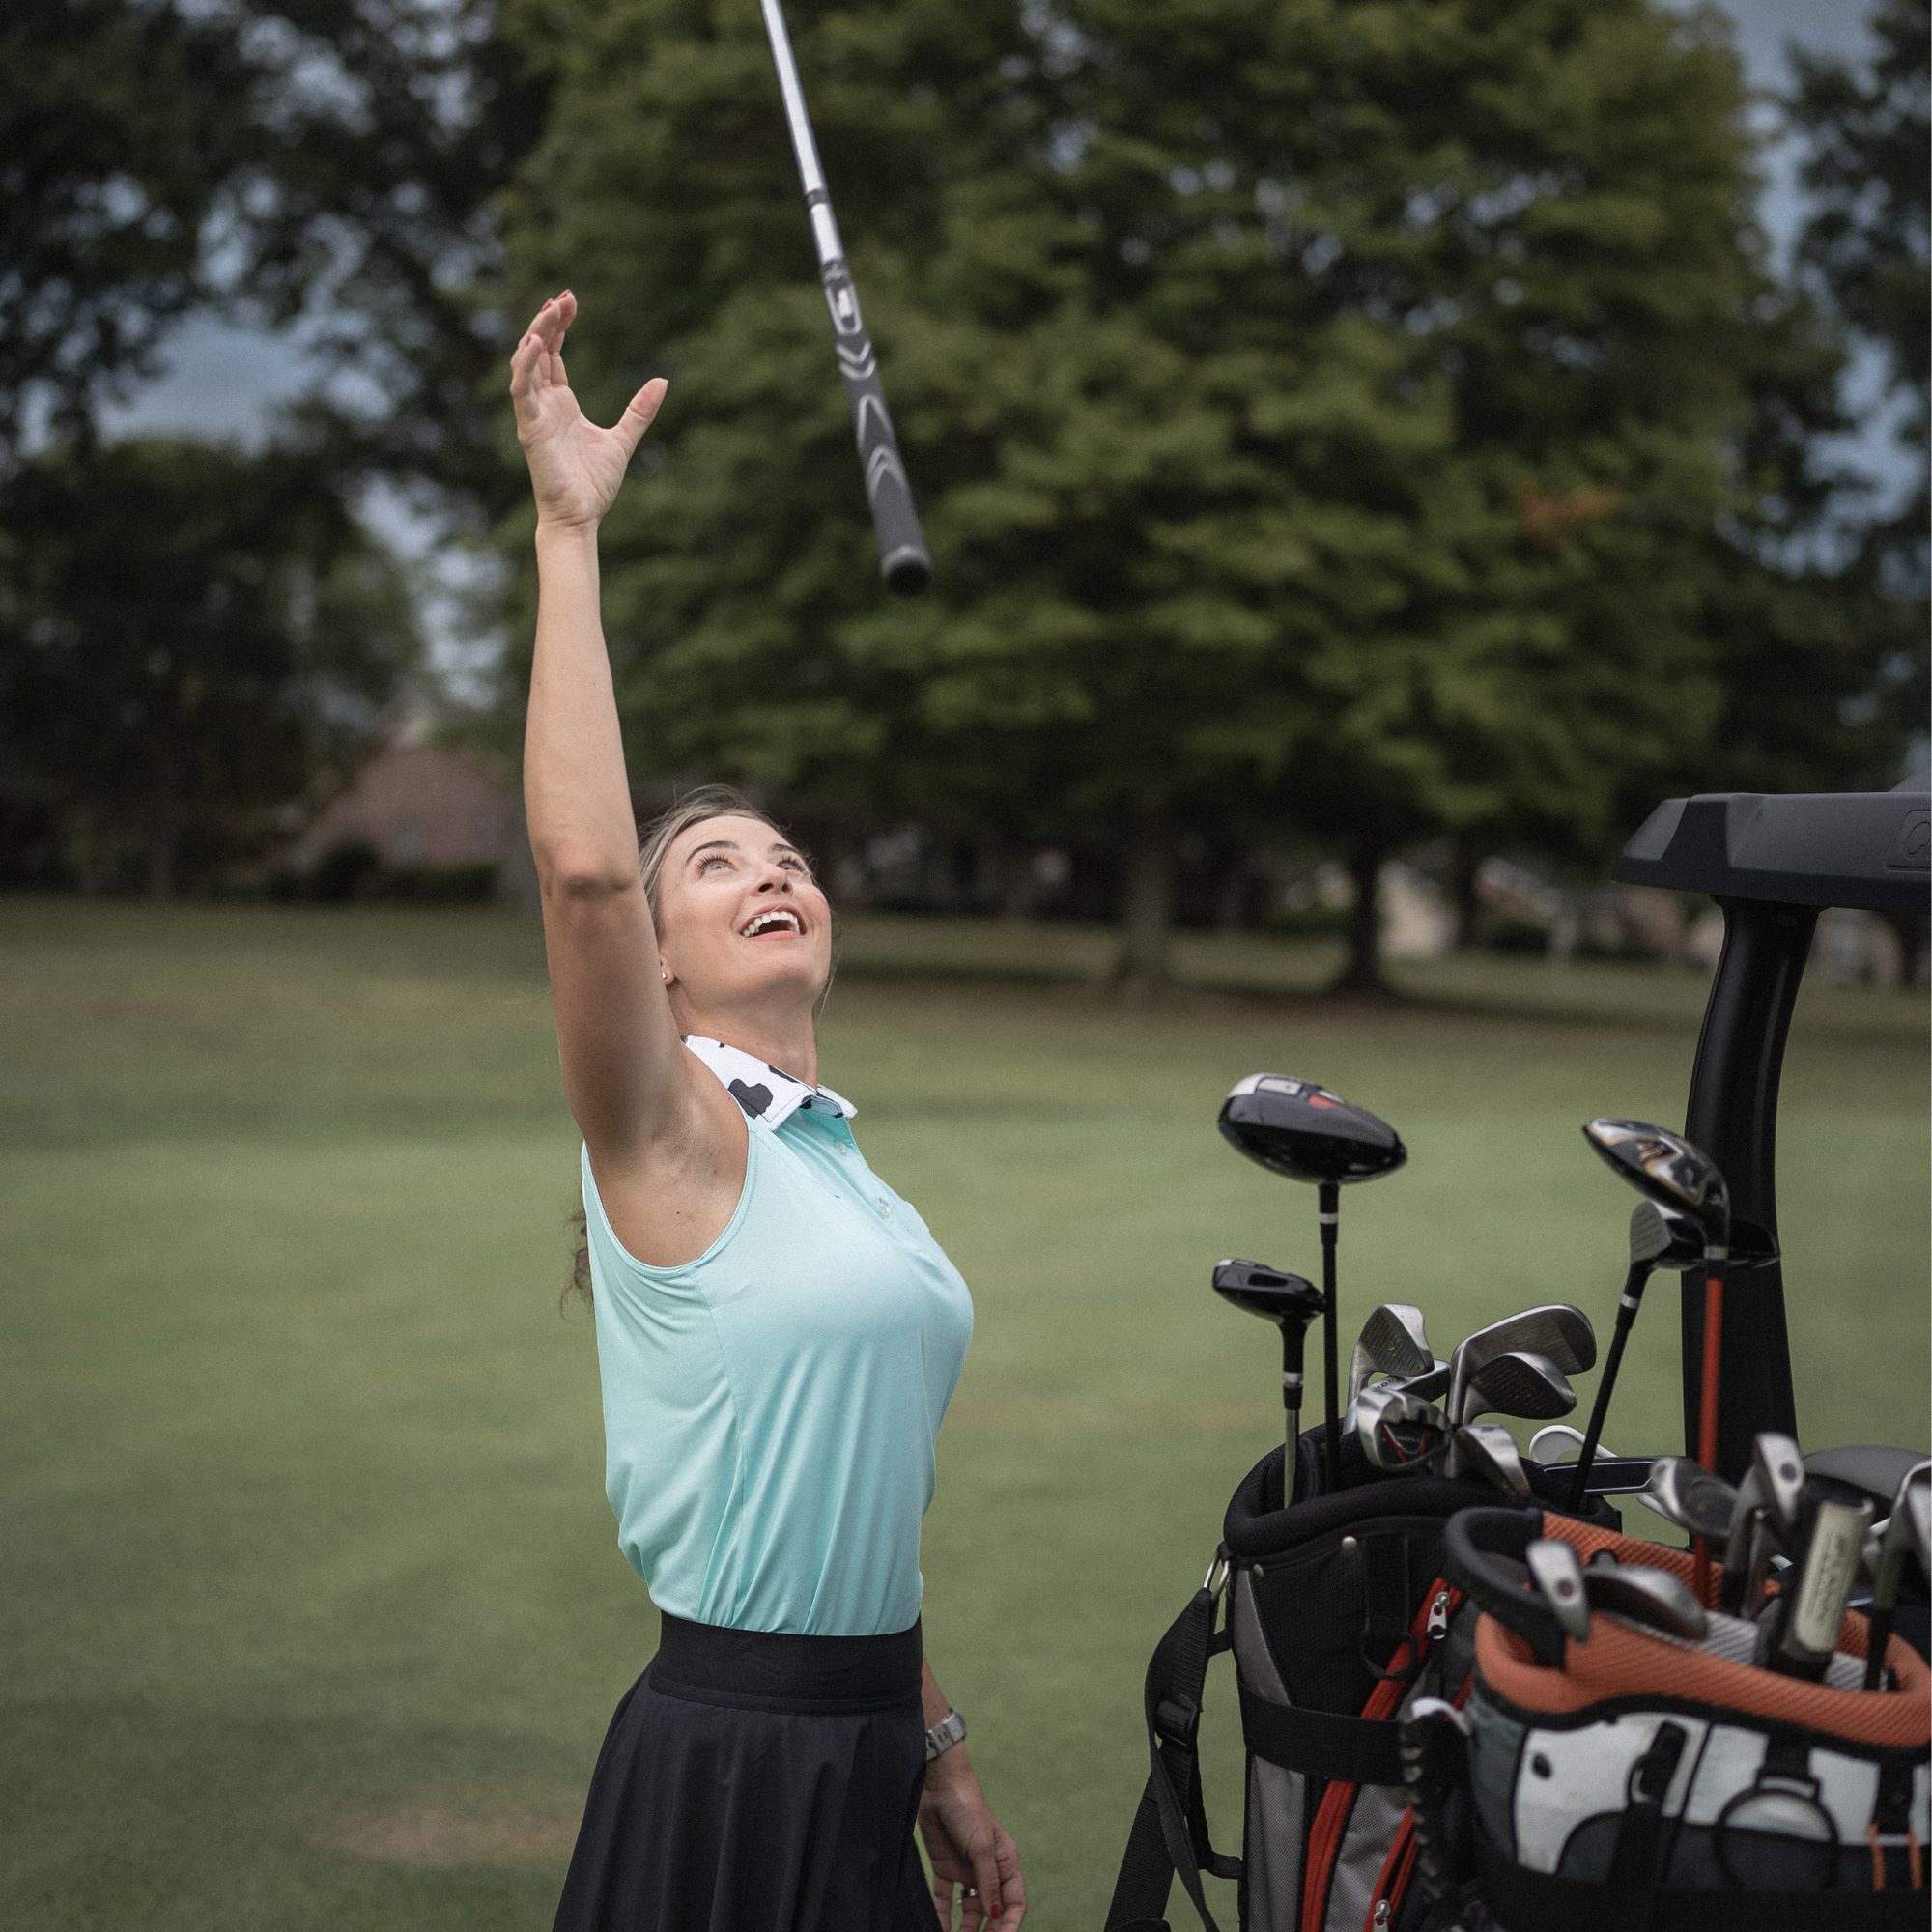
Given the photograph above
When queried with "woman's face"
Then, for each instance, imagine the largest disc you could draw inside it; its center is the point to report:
(740, 916)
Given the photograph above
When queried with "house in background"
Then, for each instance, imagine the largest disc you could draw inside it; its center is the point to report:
(417, 807)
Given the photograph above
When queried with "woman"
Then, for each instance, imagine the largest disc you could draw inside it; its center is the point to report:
(777, 1334)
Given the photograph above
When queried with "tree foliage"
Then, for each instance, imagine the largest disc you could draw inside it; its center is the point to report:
(185, 632)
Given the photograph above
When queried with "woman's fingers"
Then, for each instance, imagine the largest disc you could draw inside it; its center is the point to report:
(639, 413)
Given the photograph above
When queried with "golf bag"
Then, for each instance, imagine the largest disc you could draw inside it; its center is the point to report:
(1340, 1619)
(1642, 1781)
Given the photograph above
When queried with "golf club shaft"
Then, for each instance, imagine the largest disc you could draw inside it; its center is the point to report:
(1291, 1402)
(1627, 1308)
(1707, 1405)
(1329, 1208)
(905, 563)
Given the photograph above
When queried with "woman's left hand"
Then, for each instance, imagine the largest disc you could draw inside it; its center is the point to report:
(970, 1854)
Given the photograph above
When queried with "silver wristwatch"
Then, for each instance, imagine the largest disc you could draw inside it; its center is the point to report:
(944, 1735)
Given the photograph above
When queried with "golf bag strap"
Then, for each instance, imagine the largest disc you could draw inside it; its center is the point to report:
(1169, 1829)
(1520, 1897)
(1322, 1744)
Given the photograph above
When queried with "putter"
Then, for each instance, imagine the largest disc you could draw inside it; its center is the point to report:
(1646, 1596)
(1295, 1128)
(1488, 1449)
(1555, 1570)
(1519, 1383)
(1673, 1172)
(1811, 1610)
(1691, 1497)
(1398, 1431)
(1910, 1530)
(1660, 1238)
(1290, 1303)
(1553, 1329)
(1393, 1343)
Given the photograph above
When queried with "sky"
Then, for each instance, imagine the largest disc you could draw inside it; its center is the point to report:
(223, 383)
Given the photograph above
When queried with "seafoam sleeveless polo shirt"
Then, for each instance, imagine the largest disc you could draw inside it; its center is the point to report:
(770, 1408)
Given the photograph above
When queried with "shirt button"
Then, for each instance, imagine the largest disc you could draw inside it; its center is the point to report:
(884, 1206)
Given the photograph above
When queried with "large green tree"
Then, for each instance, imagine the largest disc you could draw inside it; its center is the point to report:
(185, 633)
(1320, 408)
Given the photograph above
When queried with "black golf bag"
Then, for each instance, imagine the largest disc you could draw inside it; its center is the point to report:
(1341, 1620)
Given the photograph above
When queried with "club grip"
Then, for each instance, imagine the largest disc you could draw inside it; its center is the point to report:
(904, 561)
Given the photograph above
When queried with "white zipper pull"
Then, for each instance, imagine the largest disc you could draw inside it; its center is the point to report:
(1381, 1918)
(1439, 1617)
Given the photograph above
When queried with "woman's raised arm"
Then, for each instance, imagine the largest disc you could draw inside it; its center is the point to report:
(622, 1070)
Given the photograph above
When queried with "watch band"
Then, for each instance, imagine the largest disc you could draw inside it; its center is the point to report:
(949, 1730)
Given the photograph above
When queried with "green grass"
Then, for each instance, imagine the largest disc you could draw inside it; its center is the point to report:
(314, 1613)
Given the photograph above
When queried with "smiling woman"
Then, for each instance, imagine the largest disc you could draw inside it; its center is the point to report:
(778, 1332)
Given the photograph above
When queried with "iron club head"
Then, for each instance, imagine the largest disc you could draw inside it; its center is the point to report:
(1517, 1383)
(1646, 1596)
(1393, 1342)
(1691, 1497)
(1554, 1329)
(1488, 1449)
(1779, 1464)
(1555, 1570)
(1397, 1429)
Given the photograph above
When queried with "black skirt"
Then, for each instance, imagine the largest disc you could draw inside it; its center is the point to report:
(755, 1782)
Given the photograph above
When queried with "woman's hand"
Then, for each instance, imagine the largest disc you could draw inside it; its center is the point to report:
(575, 466)
(970, 1854)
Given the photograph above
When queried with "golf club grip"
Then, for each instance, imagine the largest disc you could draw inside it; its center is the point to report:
(905, 563)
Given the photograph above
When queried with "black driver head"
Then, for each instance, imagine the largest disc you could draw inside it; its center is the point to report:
(1297, 1129)
(1668, 1169)
(1266, 1292)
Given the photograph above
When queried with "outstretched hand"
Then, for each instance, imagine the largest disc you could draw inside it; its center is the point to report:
(575, 466)
(973, 1860)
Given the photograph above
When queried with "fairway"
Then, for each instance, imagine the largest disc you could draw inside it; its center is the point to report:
(314, 1610)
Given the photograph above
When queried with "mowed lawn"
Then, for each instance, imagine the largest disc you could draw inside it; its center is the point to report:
(313, 1613)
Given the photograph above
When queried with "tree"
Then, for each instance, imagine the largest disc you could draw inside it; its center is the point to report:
(185, 632)
(1318, 406)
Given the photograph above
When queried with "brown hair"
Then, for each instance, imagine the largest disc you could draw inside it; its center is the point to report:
(712, 801)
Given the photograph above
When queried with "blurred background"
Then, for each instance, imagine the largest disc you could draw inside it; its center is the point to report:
(1372, 453)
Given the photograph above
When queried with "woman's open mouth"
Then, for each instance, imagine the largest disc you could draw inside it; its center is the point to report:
(779, 920)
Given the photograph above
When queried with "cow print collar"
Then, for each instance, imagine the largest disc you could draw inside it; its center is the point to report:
(767, 1095)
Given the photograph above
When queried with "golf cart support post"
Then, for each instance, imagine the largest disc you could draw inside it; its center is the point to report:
(1772, 863)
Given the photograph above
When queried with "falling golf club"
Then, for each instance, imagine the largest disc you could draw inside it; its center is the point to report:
(1295, 1128)
(1910, 1531)
(1290, 1303)
(1672, 1172)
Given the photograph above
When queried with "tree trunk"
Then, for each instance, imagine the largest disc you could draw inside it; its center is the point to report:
(1143, 969)
(1363, 973)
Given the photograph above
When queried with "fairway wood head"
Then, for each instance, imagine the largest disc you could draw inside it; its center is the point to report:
(1555, 1571)
(1270, 1293)
(1691, 1497)
(1668, 1169)
(1488, 1449)
(1646, 1596)
(1519, 1383)
(1779, 1464)
(1553, 1329)
(1398, 1431)
(1295, 1128)
(1669, 1239)
(1393, 1343)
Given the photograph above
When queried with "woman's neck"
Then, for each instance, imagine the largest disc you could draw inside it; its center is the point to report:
(786, 1042)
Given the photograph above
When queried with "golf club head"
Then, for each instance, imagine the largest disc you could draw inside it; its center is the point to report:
(1488, 1449)
(1519, 1383)
(1668, 1169)
(1267, 1292)
(1295, 1128)
(1553, 1329)
(1646, 1596)
(1691, 1497)
(1555, 1570)
(1393, 1342)
(1398, 1431)
(1779, 1464)
(1549, 1445)
(1667, 1237)
(1907, 1532)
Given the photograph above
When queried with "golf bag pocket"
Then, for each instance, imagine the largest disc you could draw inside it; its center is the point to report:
(1638, 1778)
(1341, 1622)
